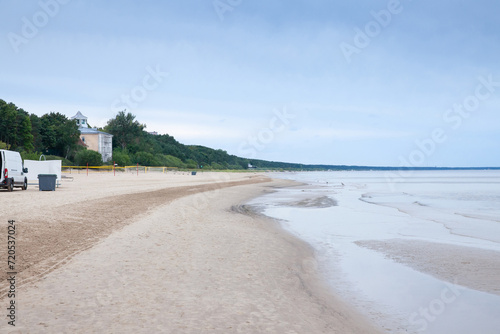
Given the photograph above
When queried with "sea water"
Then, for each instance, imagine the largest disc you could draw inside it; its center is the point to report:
(447, 207)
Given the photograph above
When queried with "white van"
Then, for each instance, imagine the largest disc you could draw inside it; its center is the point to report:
(12, 171)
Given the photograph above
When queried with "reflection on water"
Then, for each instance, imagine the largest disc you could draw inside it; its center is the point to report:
(459, 208)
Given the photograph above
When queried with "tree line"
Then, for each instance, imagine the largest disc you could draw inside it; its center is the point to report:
(52, 134)
(57, 137)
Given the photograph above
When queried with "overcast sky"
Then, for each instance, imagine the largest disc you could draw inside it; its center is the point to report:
(380, 83)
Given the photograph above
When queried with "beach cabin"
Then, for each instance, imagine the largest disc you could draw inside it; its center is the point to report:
(94, 139)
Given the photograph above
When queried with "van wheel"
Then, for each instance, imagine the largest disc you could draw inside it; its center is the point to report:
(10, 186)
(25, 184)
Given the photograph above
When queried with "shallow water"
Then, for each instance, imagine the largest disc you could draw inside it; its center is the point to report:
(450, 207)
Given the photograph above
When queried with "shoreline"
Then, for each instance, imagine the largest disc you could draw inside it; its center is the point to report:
(211, 265)
(310, 279)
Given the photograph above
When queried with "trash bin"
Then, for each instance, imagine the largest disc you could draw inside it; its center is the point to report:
(47, 182)
(193, 173)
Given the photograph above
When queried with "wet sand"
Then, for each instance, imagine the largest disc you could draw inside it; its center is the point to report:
(474, 268)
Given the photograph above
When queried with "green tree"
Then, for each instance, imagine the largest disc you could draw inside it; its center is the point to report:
(145, 159)
(7, 119)
(190, 163)
(121, 158)
(24, 136)
(36, 125)
(125, 129)
(59, 135)
(170, 161)
(216, 165)
(15, 127)
(93, 158)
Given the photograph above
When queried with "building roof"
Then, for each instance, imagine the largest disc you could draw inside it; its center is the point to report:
(91, 131)
(79, 115)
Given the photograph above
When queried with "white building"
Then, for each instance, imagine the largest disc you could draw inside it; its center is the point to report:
(94, 139)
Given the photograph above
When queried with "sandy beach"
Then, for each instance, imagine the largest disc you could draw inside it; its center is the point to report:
(163, 253)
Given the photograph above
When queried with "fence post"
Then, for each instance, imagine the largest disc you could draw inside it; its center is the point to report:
(87, 169)
(114, 170)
